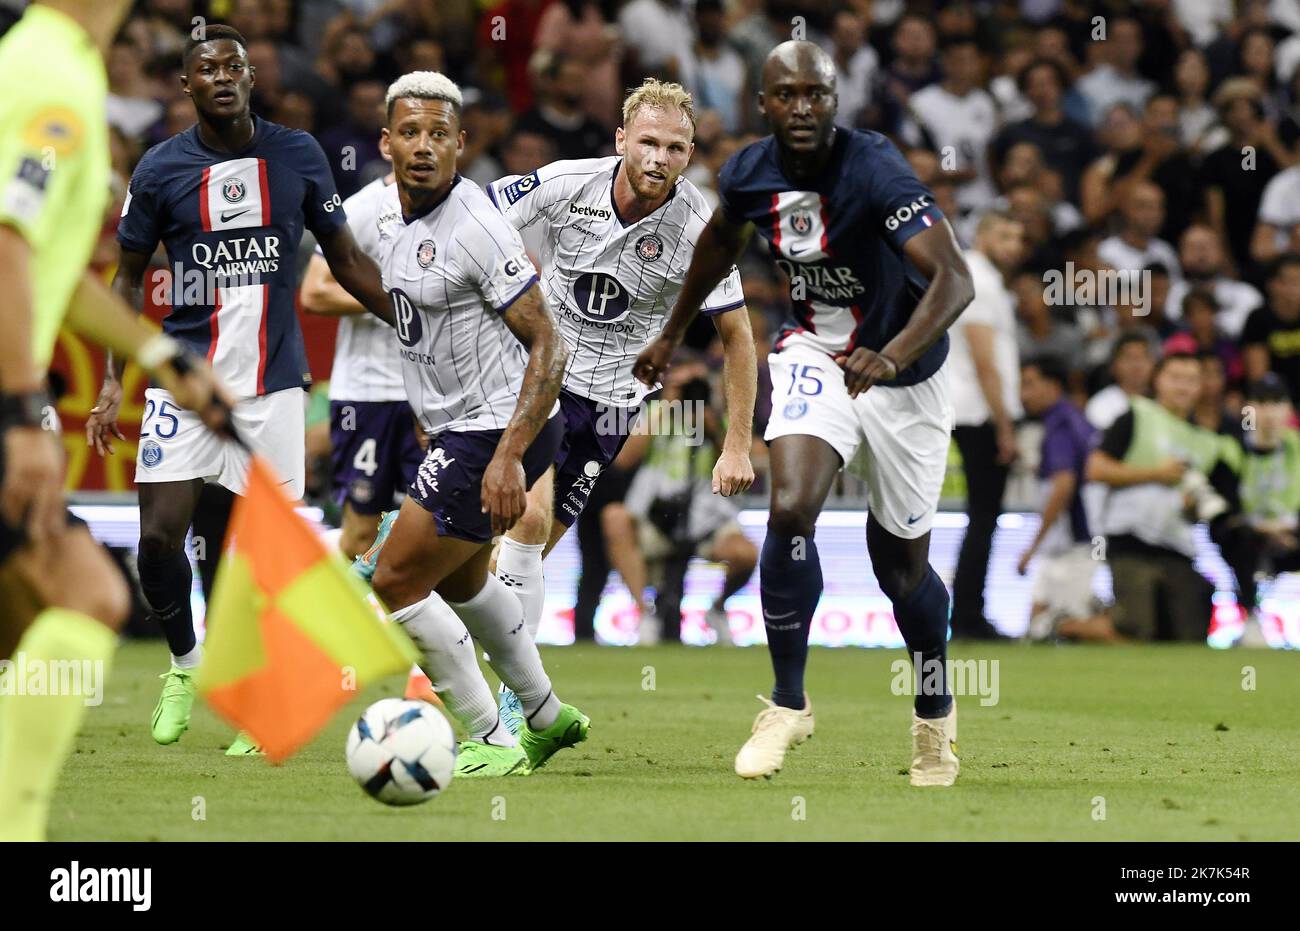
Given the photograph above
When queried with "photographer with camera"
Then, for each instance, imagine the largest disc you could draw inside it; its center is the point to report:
(671, 513)
(1165, 474)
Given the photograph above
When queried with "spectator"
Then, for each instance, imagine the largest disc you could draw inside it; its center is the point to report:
(1200, 312)
(1062, 601)
(659, 35)
(1132, 364)
(1255, 62)
(353, 146)
(1198, 122)
(958, 119)
(983, 354)
(579, 28)
(1146, 151)
(486, 121)
(1041, 334)
(525, 151)
(857, 67)
(1211, 411)
(1158, 467)
(131, 104)
(1277, 229)
(913, 67)
(1136, 245)
(716, 71)
(560, 114)
(1114, 77)
(1204, 268)
(1067, 146)
(1262, 535)
(1271, 338)
(1236, 174)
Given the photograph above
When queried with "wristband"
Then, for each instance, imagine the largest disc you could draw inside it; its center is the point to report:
(157, 352)
(897, 371)
(25, 409)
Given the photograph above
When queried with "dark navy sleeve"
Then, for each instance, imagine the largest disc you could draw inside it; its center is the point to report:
(322, 208)
(138, 229)
(727, 178)
(901, 205)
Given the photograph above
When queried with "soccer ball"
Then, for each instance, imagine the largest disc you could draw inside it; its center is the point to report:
(402, 752)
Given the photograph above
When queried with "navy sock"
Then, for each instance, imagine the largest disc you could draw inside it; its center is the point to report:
(166, 584)
(790, 582)
(922, 618)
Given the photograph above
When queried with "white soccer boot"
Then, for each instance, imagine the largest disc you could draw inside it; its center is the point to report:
(934, 749)
(776, 730)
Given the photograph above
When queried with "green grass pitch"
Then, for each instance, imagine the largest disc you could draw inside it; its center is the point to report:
(1167, 736)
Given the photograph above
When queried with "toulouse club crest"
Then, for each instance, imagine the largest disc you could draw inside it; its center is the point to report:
(233, 190)
(649, 247)
(801, 223)
(425, 253)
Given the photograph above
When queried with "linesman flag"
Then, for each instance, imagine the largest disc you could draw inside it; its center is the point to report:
(290, 637)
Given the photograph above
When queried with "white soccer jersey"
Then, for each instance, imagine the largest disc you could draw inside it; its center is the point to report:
(366, 367)
(450, 274)
(610, 284)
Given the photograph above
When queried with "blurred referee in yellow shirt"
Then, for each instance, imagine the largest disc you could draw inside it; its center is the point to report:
(62, 599)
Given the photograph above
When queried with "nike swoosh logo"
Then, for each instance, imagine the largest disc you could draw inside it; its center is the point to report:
(227, 217)
(779, 617)
(913, 520)
(794, 252)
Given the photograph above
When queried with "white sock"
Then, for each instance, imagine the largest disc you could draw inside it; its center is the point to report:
(190, 660)
(496, 620)
(450, 664)
(519, 566)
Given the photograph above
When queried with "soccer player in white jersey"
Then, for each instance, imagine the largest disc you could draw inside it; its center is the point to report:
(483, 362)
(374, 443)
(618, 234)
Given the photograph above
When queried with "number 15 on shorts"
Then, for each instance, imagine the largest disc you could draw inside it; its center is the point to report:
(804, 377)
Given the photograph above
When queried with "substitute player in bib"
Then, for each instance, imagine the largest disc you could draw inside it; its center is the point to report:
(482, 362)
(374, 443)
(62, 600)
(876, 279)
(229, 199)
(617, 234)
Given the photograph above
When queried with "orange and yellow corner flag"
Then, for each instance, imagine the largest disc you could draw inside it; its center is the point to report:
(290, 636)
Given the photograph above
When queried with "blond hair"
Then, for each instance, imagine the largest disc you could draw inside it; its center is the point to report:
(659, 95)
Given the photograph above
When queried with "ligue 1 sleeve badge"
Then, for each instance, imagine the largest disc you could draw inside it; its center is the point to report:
(649, 247)
(425, 252)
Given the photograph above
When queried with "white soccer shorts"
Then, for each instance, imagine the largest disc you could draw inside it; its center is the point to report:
(895, 439)
(176, 446)
(1063, 582)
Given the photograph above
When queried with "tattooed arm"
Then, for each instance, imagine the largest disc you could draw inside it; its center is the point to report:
(504, 484)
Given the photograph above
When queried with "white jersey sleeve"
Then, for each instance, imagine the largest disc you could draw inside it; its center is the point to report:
(488, 252)
(366, 367)
(544, 193)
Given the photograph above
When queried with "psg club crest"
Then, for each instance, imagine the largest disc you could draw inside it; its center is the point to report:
(795, 408)
(151, 454)
(425, 253)
(233, 190)
(649, 247)
(801, 223)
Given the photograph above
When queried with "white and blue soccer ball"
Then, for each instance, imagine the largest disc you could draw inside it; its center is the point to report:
(402, 752)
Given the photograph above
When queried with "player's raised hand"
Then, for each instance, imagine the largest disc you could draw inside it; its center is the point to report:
(732, 474)
(864, 368)
(504, 495)
(652, 362)
(102, 422)
(32, 492)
